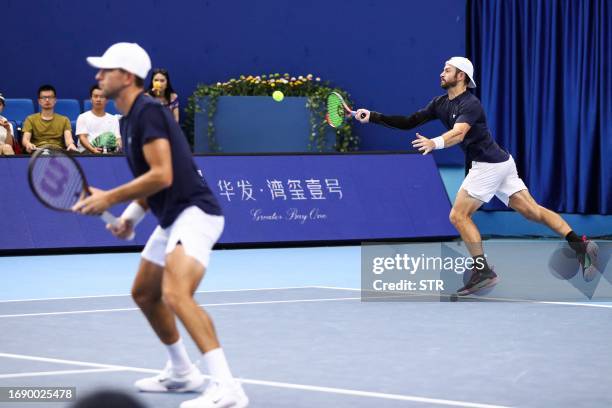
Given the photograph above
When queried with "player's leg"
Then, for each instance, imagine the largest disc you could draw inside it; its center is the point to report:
(586, 250)
(147, 293)
(191, 240)
(478, 188)
(461, 217)
(179, 375)
(182, 276)
(514, 193)
(524, 203)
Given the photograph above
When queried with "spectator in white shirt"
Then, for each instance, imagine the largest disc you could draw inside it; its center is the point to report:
(98, 130)
(6, 132)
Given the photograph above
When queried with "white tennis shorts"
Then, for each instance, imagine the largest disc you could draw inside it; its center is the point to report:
(196, 231)
(485, 180)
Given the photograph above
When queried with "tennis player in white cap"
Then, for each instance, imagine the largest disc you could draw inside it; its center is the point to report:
(174, 260)
(492, 169)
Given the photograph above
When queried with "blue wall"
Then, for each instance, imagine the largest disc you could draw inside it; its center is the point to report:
(387, 55)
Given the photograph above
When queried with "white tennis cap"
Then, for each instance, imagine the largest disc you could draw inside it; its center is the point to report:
(128, 56)
(466, 66)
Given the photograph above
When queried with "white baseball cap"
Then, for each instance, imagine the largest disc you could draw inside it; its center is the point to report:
(128, 56)
(464, 65)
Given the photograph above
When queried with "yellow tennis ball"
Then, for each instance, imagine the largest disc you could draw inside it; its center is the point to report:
(277, 96)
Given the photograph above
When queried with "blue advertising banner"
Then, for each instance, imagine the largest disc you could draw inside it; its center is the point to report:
(329, 197)
(265, 198)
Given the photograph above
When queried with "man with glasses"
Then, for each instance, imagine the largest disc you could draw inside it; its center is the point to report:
(47, 128)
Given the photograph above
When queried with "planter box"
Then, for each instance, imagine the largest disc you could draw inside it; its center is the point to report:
(257, 124)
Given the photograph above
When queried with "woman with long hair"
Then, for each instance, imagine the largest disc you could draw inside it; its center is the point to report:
(161, 89)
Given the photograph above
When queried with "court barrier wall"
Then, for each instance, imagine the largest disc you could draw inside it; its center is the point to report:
(267, 199)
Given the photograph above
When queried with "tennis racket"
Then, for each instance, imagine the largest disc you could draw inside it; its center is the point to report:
(337, 110)
(57, 181)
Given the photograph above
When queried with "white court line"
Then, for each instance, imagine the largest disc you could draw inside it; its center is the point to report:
(575, 304)
(130, 309)
(127, 294)
(61, 372)
(543, 302)
(127, 309)
(370, 394)
(71, 312)
(276, 384)
(336, 288)
(77, 363)
(269, 302)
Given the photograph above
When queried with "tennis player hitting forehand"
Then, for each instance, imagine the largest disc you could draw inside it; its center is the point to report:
(492, 172)
(190, 222)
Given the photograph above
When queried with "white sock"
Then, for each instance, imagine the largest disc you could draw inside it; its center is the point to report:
(181, 364)
(217, 365)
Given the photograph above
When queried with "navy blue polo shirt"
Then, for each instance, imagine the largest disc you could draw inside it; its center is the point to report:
(149, 120)
(478, 143)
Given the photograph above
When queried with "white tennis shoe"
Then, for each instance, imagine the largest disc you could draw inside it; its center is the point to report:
(169, 381)
(220, 395)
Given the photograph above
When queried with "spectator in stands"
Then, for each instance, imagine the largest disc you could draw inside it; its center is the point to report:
(98, 131)
(47, 128)
(161, 89)
(6, 132)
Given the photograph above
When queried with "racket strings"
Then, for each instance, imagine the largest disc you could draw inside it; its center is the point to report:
(57, 181)
(335, 110)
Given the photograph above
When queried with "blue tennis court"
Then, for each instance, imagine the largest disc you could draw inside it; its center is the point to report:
(297, 334)
(395, 204)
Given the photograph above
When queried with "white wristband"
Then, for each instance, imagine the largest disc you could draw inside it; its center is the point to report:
(134, 212)
(439, 142)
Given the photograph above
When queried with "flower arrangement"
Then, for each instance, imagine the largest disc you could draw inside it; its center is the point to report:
(264, 85)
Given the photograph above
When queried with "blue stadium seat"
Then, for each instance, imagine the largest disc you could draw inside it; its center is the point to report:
(68, 107)
(110, 107)
(17, 110)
